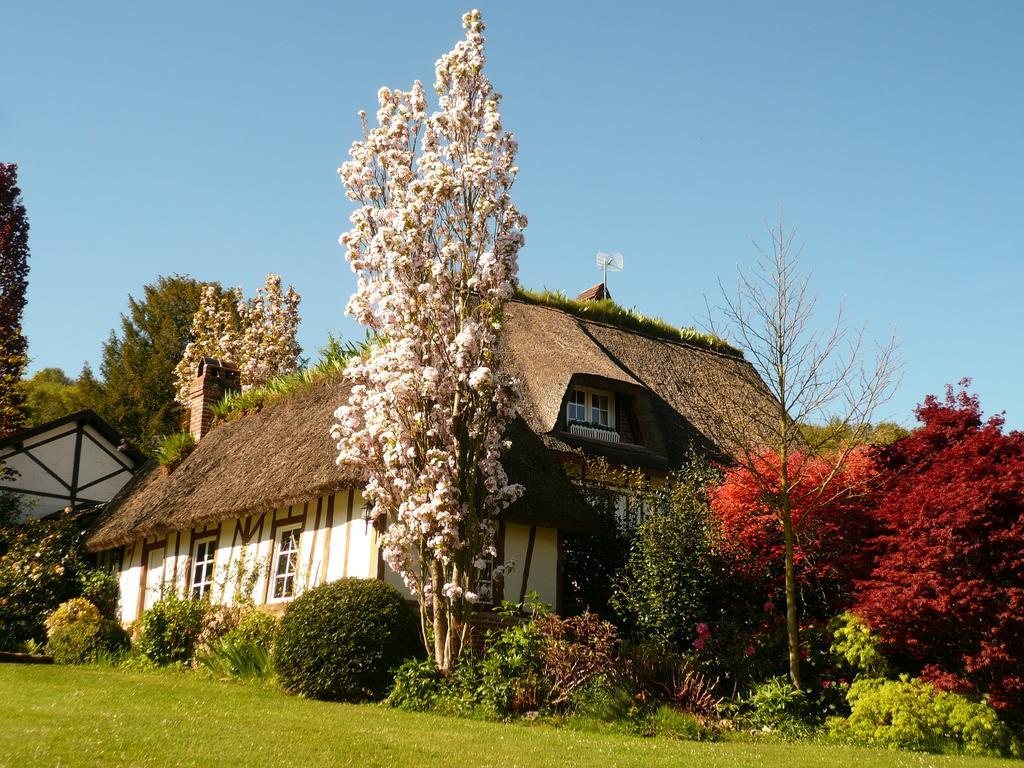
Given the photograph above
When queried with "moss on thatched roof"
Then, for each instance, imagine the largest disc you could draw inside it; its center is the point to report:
(630, 319)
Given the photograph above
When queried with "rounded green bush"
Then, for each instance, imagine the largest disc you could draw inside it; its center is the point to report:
(342, 641)
(77, 633)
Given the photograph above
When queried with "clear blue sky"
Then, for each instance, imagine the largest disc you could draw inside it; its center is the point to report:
(203, 138)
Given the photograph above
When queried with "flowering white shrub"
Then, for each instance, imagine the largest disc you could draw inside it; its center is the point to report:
(258, 335)
(434, 243)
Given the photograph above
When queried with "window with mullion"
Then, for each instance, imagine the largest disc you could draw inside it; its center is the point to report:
(600, 411)
(578, 406)
(202, 567)
(286, 563)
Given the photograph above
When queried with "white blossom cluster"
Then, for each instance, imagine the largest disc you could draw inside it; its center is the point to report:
(258, 334)
(434, 243)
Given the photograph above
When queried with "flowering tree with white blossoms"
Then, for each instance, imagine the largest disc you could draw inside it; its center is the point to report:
(258, 335)
(269, 323)
(434, 242)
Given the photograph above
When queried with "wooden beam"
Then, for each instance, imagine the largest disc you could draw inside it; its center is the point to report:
(116, 457)
(529, 561)
(46, 469)
(106, 477)
(74, 465)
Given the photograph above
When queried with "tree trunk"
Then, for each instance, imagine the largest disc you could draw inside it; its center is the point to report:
(441, 655)
(792, 622)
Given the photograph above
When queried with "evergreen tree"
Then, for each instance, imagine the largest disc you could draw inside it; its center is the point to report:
(13, 283)
(138, 364)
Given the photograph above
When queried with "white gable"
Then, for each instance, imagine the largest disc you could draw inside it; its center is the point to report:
(67, 463)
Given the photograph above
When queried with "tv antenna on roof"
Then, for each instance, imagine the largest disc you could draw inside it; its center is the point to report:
(609, 262)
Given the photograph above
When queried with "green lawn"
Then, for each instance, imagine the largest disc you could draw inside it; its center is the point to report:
(75, 716)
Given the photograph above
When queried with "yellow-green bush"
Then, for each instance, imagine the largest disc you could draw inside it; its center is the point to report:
(911, 714)
(77, 633)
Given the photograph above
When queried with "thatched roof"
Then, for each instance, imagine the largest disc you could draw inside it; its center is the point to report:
(681, 393)
(284, 455)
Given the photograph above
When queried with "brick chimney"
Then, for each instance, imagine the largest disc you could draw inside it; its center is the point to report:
(214, 379)
(595, 293)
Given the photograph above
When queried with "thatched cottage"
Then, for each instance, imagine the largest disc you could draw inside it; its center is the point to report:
(260, 505)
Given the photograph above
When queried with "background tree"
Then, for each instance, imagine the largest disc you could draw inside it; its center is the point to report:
(259, 335)
(434, 243)
(947, 592)
(812, 376)
(269, 327)
(13, 284)
(834, 435)
(213, 332)
(138, 364)
(50, 394)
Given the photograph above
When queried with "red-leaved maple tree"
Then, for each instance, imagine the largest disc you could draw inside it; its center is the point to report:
(947, 591)
(833, 525)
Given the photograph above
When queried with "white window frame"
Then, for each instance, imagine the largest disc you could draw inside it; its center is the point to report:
(204, 585)
(272, 595)
(590, 407)
(572, 409)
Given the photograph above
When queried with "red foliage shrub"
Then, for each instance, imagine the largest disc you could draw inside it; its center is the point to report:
(948, 589)
(832, 527)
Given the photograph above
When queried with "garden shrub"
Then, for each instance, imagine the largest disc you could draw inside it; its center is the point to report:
(661, 675)
(238, 643)
(237, 657)
(574, 651)
(342, 641)
(419, 686)
(40, 568)
(606, 698)
(945, 593)
(912, 714)
(102, 590)
(512, 677)
(856, 648)
(775, 706)
(77, 633)
(673, 578)
(256, 627)
(171, 629)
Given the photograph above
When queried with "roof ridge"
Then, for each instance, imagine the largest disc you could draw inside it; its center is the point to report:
(736, 355)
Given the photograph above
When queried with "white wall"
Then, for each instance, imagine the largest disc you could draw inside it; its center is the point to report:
(543, 570)
(335, 542)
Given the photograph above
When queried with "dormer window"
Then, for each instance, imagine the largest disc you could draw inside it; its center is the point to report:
(578, 406)
(591, 413)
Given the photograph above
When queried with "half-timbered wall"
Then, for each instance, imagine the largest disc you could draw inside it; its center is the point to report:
(334, 541)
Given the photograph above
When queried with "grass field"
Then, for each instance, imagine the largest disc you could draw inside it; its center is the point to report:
(85, 716)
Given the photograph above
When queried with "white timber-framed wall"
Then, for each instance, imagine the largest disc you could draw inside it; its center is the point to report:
(334, 541)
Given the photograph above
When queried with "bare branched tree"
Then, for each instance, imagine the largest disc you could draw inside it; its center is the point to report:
(798, 374)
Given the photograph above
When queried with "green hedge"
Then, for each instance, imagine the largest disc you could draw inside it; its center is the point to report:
(342, 641)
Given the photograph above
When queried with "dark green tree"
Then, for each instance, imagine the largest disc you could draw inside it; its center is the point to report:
(138, 363)
(13, 283)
